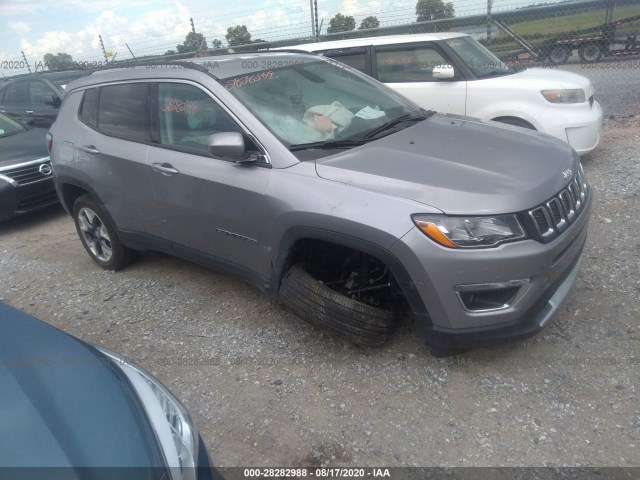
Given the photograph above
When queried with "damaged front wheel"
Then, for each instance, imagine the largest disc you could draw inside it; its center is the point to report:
(318, 304)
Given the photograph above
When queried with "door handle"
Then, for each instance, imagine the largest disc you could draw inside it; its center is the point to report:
(165, 168)
(29, 111)
(89, 149)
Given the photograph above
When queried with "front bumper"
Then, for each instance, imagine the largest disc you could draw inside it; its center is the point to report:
(26, 191)
(579, 125)
(545, 272)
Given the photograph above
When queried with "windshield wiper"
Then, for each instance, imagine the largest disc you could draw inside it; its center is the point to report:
(409, 117)
(327, 144)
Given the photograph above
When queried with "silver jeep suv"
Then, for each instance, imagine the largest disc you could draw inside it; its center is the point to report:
(324, 187)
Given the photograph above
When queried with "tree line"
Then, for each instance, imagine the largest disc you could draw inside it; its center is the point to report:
(239, 35)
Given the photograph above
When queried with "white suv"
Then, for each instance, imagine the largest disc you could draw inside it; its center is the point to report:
(453, 73)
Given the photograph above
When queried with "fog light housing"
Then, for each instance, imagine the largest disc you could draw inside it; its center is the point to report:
(488, 297)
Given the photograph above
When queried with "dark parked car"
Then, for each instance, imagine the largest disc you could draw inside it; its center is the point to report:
(35, 98)
(25, 169)
(66, 405)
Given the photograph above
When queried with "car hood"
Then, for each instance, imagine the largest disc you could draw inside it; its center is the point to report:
(547, 79)
(64, 404)
(23, 147)
(459, 166)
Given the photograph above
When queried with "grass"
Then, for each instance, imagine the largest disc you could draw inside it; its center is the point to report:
(578, 21)
(536, 31)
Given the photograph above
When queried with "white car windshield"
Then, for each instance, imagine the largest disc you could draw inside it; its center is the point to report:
(480, 61)
(307, 102)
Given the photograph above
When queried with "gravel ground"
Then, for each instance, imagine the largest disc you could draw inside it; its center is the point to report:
(266, 389)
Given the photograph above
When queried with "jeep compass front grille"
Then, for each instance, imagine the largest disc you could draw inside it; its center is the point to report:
(554, 215)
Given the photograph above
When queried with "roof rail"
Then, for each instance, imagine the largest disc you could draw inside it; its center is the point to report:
(19, 76)
(187, 63)
(286, 50)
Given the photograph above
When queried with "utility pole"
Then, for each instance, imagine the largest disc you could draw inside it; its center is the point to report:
(134, 57)
(489, 21)
(104, 52)
(193, 30)
(25, 60)
(313, 22)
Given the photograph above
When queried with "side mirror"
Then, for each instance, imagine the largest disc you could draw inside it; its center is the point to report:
(443, 72)
(227, 145)
(27, 122)
(54, 101)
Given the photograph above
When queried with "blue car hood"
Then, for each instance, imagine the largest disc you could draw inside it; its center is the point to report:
(65, 404)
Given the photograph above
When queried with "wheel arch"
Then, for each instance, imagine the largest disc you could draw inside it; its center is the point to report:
(69, 194)
(296, 236)
(521, 110)
(70, 189)
(521, 122)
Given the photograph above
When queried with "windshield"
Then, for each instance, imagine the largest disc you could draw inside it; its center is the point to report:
(481, 61)
(307, 102)
(9, 127)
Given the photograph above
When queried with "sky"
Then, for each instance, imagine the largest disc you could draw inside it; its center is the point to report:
(150, 27)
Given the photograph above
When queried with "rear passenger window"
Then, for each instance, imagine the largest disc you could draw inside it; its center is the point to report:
(89, 107)
(408, 64)
(123, 111)
(188, 116)
(16, 94)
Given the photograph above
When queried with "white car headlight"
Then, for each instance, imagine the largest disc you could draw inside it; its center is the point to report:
(171, 421)
(470, 232)
(572, 95)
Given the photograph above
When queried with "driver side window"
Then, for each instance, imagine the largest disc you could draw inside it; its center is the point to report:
(41, 95)
(188, 116)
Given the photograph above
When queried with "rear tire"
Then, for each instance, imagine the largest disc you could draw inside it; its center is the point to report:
(559, 54)
(590, 53)
(99, 237)
(316, 303)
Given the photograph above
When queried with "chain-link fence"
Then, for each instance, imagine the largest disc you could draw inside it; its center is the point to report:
(552, 33)
(597, 34)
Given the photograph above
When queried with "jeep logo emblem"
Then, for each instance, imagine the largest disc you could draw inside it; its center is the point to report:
(567, 173)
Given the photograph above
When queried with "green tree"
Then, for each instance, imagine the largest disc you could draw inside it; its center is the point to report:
(238, 35)
(369, 22)
(216, 43)
(341, 23)
(193, 42)
(434, 10)
(59, 61)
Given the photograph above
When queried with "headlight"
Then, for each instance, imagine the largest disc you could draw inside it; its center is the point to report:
(172, 423)
(470, 232)
(574, 95)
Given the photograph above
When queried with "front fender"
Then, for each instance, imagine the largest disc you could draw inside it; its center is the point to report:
(398, 270)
